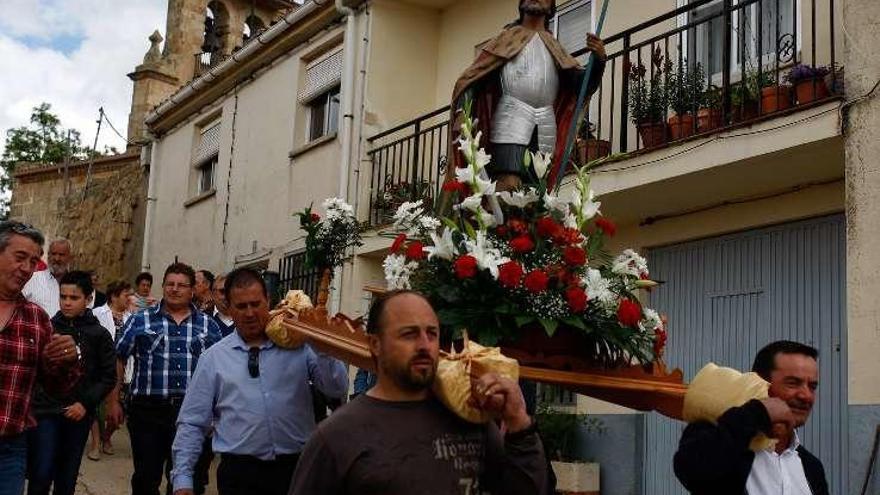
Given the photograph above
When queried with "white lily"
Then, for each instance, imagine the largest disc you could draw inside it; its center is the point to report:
(443, 247)
(485, 186)
(486, 219)
(488, 256)
(541, 162)
(570, 221)
(587, 207)
(519, 199)
(557, 203)
(471, 202)
(481, 159)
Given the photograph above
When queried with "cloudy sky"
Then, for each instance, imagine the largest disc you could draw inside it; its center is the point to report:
(73, 54)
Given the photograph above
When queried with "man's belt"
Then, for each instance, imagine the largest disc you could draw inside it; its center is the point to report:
(157, 400)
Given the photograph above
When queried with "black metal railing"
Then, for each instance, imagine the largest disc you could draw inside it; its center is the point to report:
(294, 274)
(409, 162)
(206, 61)
(699, 69)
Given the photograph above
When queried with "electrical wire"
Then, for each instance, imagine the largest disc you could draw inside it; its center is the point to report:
(106, 119)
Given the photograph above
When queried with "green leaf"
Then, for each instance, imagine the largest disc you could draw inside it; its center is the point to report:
(523, 320)
(575, 321)
(449, 223)
(549, 325)
(470, 230)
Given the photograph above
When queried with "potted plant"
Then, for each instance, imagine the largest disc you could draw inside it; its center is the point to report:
(588, 147)
(809, 82)
(709, 115)
(774, 97)
(558, 429)
(648, 100)
(685, 89)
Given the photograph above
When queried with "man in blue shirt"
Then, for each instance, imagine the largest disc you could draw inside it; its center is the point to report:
(256, 395)
(166, 341)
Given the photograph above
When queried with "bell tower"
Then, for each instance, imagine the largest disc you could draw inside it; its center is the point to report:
(199, 34)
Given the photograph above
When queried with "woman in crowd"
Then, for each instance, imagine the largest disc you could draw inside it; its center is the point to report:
(112, 317)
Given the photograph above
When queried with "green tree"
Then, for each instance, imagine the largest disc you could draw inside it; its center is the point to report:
(43, 140)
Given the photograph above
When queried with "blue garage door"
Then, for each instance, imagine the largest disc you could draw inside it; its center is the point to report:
(726, 297)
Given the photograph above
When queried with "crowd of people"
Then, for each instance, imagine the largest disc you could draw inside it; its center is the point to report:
(192, 374)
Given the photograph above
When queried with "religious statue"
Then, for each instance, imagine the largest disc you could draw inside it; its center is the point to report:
(524, 86)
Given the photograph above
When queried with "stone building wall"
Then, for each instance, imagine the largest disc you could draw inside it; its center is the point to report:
(105, 225)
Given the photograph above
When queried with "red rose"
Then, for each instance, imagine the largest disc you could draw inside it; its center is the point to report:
(567, 236)
(547, 227)
(536, 281)
(574, 256)
(398, 243)
(315, 218)
(510, 274)
(415, 251)
(522, 244)
(576, 298)
(517, 226)
(629, 313)
(454, 186)
(502, 230)
(465, 266)
(606, 226)
(567, 278)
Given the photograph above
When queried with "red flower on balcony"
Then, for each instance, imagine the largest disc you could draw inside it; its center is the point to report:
(465, 266)
(510, 274)
(315, 217)
(536, 281)
(415, 251)
(522, 244)
(629, 313)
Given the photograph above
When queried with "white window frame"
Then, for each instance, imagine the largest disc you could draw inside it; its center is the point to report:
(202, 168)
(768, 60)
(203, 161)
(323, 100)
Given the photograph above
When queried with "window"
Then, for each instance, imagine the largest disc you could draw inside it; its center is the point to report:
(320, 94)
(706, 40)
(571, 24)
(324, 114)
(206, 175)
(206, 157)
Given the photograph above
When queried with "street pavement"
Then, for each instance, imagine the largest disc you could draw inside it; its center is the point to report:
(112, 474)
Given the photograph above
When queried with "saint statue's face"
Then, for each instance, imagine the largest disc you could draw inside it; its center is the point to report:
(536, 7)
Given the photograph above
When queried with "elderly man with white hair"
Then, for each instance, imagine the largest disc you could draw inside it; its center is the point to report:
(43, 289)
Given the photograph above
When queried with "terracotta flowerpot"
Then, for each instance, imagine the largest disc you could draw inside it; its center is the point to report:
(775, 98)
(805, 93)
(653, 134)
(681, 126)
(708, 119)
(592, 149)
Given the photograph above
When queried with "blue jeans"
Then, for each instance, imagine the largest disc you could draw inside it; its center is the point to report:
(55, 449)
(13, 457)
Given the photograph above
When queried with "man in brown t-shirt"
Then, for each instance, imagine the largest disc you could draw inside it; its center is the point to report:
(398, 439)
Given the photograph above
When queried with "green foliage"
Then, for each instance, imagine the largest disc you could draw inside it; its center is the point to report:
(558, 430)
(687, 87)
(648, 95)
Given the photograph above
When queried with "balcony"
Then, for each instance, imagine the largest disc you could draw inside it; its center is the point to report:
(699, 70)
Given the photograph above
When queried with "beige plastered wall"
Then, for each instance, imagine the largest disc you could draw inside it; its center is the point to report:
(257, 199)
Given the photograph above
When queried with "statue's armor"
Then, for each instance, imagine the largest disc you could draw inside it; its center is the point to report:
(529, 85)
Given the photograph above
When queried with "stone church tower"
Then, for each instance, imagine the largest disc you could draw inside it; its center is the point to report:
(199, 34)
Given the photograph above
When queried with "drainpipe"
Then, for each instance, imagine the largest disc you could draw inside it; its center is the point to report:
(346, 134)
(151, 205)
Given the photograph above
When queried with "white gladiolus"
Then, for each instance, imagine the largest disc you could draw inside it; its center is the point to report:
(519, 199)
(556, 203)
(541, 162)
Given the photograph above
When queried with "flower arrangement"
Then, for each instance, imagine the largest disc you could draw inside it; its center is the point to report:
(511, 260)
(328, 239)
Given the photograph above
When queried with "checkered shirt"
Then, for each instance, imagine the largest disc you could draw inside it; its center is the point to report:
(23, 362)
(165, 353)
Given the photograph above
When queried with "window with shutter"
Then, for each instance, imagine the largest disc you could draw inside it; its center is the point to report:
(322, 75)
(205, 157)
